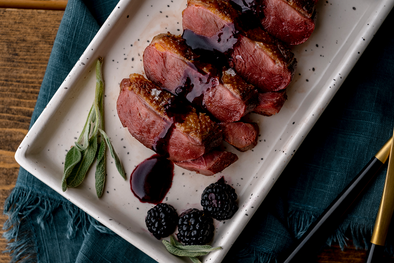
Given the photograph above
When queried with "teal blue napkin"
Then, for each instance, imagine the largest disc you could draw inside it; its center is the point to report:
(44, 227)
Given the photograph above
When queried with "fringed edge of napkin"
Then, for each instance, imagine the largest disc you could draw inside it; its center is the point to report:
(358, 230)
(19, 206)
(22, 202)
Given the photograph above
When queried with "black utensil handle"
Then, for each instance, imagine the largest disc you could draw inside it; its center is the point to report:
(314, 239)
(374, 254)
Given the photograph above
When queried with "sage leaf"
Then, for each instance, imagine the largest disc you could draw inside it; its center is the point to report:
(118, 163)
(194, 248)
(73, 157)
(176, 248)
(83, 140)
(186, 252)
(180, 252)
(100, 174)
(98, 103)
(88, 156)
(198, 248)
(175, 242)
(88, 148)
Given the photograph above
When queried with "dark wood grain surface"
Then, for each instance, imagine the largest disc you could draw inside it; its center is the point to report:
(26, 39)
(27, 36)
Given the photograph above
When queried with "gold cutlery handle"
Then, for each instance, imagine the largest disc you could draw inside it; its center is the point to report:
(386, 208)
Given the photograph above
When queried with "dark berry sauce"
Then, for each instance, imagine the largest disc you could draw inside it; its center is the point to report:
(244, 5)
(176, 110)
(194, 85)
(151, 179)
(160, 144)
(249, 7)
(223, 41)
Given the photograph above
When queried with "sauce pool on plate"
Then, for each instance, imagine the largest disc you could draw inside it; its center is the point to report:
(151, 179)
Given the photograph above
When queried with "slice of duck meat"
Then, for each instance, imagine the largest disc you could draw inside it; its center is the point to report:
(210, 163)
(263, 61)
(209, 25)
(232, 99)
(242, 135)
(291, 21)
(256, 56)
(270, 103)
(164, 124)
(172, 65)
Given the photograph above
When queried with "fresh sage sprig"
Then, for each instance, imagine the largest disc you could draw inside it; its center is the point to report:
(100, 169)
(192, 251)
(91, 145)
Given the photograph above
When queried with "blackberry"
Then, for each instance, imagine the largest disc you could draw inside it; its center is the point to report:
(161, 220)
(219, 200)
(195, 227)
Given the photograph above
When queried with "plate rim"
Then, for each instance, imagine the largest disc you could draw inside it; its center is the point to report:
(21, 154)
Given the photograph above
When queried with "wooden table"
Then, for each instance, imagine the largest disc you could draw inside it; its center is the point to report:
(27, 36)
(26, 39)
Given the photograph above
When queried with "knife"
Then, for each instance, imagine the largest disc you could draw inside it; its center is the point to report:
(312, 241)
(384, 215)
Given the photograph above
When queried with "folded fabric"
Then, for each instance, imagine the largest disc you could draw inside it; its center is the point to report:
(45, 227)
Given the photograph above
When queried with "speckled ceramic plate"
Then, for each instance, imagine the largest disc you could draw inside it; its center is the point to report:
(343, 30)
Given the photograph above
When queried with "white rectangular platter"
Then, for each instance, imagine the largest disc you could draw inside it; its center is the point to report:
(343, 30)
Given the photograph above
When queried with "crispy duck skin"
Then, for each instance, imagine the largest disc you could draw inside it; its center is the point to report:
(305, 7)
(171, 64)
(160, 122)
(210, 163)
(256, 56)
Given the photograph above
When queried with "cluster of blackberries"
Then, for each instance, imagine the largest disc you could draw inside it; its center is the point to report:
(195, 227)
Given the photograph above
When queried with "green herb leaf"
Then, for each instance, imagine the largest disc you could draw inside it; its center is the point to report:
(195, 248)
(73, 157)
(180, 252)
(177, 249)
(79, 172)
(118, 163)
(99, 96)
(81, 156)
(175, 242)
(100, 175)
(198, 248)
(83, 141)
